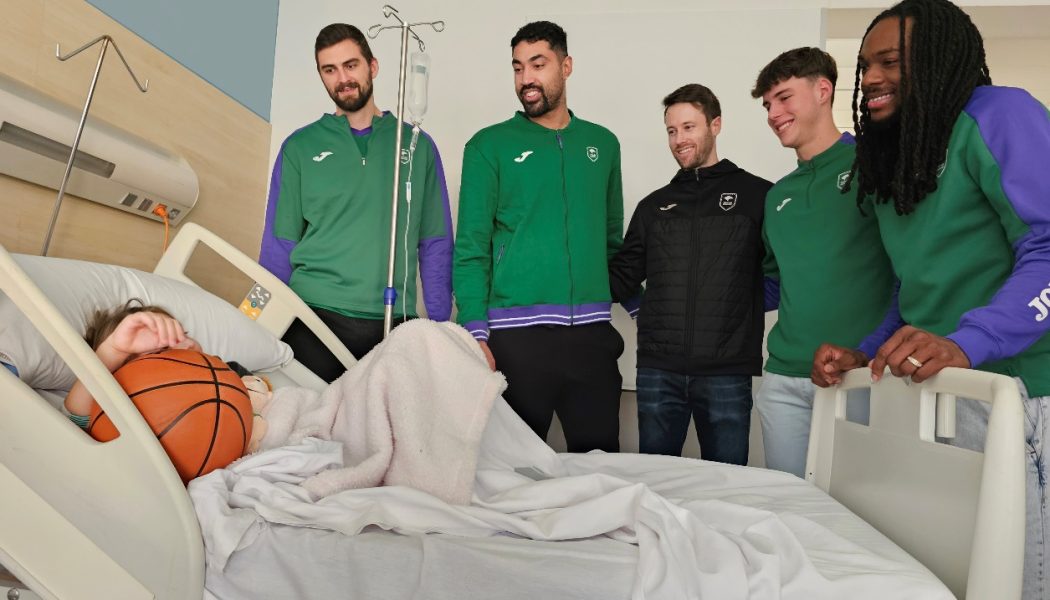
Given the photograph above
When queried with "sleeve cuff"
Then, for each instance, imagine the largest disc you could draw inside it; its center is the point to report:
(632, 305)
(978, 346)
(478, 329)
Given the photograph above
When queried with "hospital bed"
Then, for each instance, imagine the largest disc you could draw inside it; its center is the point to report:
(80, 519)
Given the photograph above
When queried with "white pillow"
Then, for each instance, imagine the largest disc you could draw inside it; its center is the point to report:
(78, 288)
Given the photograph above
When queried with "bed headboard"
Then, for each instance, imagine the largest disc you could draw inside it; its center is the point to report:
(959, 512)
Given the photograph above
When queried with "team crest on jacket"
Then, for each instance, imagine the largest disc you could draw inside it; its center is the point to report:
(843, 180)
(592, 153)
(727, 201)
(404, 156)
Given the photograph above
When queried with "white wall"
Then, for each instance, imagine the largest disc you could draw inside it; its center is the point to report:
(627, 55)
(625, 62)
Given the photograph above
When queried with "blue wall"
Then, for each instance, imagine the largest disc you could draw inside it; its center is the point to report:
(228, 43)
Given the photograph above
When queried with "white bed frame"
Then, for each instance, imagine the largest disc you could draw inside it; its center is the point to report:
(80, 519)
(960, 513)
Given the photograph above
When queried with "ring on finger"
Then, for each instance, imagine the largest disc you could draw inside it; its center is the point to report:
(914, 361)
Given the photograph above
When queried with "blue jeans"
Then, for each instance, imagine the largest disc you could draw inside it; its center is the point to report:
(785, 407)
(720, 406)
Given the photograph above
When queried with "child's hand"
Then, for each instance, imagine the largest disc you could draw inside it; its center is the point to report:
(145, 332)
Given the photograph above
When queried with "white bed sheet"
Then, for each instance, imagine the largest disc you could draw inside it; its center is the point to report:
(757, 534)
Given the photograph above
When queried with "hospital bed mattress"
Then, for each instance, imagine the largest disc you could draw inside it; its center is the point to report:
(282, 561)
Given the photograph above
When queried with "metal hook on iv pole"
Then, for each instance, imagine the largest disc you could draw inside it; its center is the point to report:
(106, 41)
(390, 293)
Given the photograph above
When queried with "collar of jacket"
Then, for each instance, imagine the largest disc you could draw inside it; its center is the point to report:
(845, 143)
(524, 121)
(719, 169)
(379, 122)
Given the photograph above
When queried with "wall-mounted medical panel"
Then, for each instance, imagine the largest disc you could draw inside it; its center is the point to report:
(112, 167)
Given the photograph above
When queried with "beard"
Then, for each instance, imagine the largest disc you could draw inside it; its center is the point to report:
(884, 140)
(541, 106)
(703, 152)
(352, 104)
(881, 140)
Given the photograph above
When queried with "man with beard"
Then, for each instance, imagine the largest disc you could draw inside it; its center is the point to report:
(957, 171)
(540, 213)
(697, 243)
(834, 278)
(328, 215)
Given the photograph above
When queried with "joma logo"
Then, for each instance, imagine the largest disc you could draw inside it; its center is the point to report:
(1042, 304)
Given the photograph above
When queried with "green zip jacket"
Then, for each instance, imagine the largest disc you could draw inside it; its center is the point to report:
(835, 278)
(327, 231)
(540, 214)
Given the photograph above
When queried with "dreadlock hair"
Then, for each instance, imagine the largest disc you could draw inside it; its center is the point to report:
(941, 65)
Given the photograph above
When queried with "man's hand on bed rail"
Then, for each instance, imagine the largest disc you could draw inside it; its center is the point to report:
(912, 352)
(830, 363)
(909, 352)
(488, 354)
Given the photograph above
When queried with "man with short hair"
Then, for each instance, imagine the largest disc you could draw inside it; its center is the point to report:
(835, 280)
(540, 213)
(329, 211)
(956, 168)
(697, 243)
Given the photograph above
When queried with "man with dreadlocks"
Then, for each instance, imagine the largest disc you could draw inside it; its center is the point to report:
(956, 168)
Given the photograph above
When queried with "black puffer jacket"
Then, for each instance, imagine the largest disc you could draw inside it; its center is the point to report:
(697, 243)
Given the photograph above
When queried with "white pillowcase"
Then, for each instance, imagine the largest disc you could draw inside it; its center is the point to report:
(79, 288)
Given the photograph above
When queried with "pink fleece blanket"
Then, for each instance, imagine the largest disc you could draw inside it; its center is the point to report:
(410, 413)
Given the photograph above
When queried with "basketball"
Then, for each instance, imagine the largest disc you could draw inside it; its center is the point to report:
(195, 404)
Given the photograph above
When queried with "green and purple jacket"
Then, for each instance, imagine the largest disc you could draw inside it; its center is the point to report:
(973, 259)
(327, 231)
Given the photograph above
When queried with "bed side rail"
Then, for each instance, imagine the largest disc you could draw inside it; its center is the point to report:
(282, 305)
(120, 507)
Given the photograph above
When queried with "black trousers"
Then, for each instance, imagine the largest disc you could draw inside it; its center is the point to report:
(358, 335)
(570, 371)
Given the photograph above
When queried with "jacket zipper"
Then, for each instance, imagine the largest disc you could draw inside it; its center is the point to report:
(690, 294)
(565, 204)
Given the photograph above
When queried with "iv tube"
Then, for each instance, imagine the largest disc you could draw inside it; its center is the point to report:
(418, 76)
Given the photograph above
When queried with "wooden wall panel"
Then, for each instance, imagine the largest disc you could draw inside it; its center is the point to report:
(225, 143)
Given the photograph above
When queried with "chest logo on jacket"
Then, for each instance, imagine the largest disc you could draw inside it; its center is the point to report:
(523, 156)
(727, 201)
(322, 156)
(843, 178)
(404, 156)
(592, 153)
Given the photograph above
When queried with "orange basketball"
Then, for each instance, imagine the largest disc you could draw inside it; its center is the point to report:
(195, 403)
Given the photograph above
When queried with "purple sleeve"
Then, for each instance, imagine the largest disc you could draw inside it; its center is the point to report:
(275, 253)
(1016, 130)
(890, 324)
(771, 293)
(435, 253)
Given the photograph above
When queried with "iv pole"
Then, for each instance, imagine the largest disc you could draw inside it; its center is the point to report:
(106, 41)
(390, 293)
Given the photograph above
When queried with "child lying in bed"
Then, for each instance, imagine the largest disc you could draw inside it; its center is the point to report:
(135, 329)
(120, 335)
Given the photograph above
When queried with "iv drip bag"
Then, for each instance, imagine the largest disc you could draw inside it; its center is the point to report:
(419, 75)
